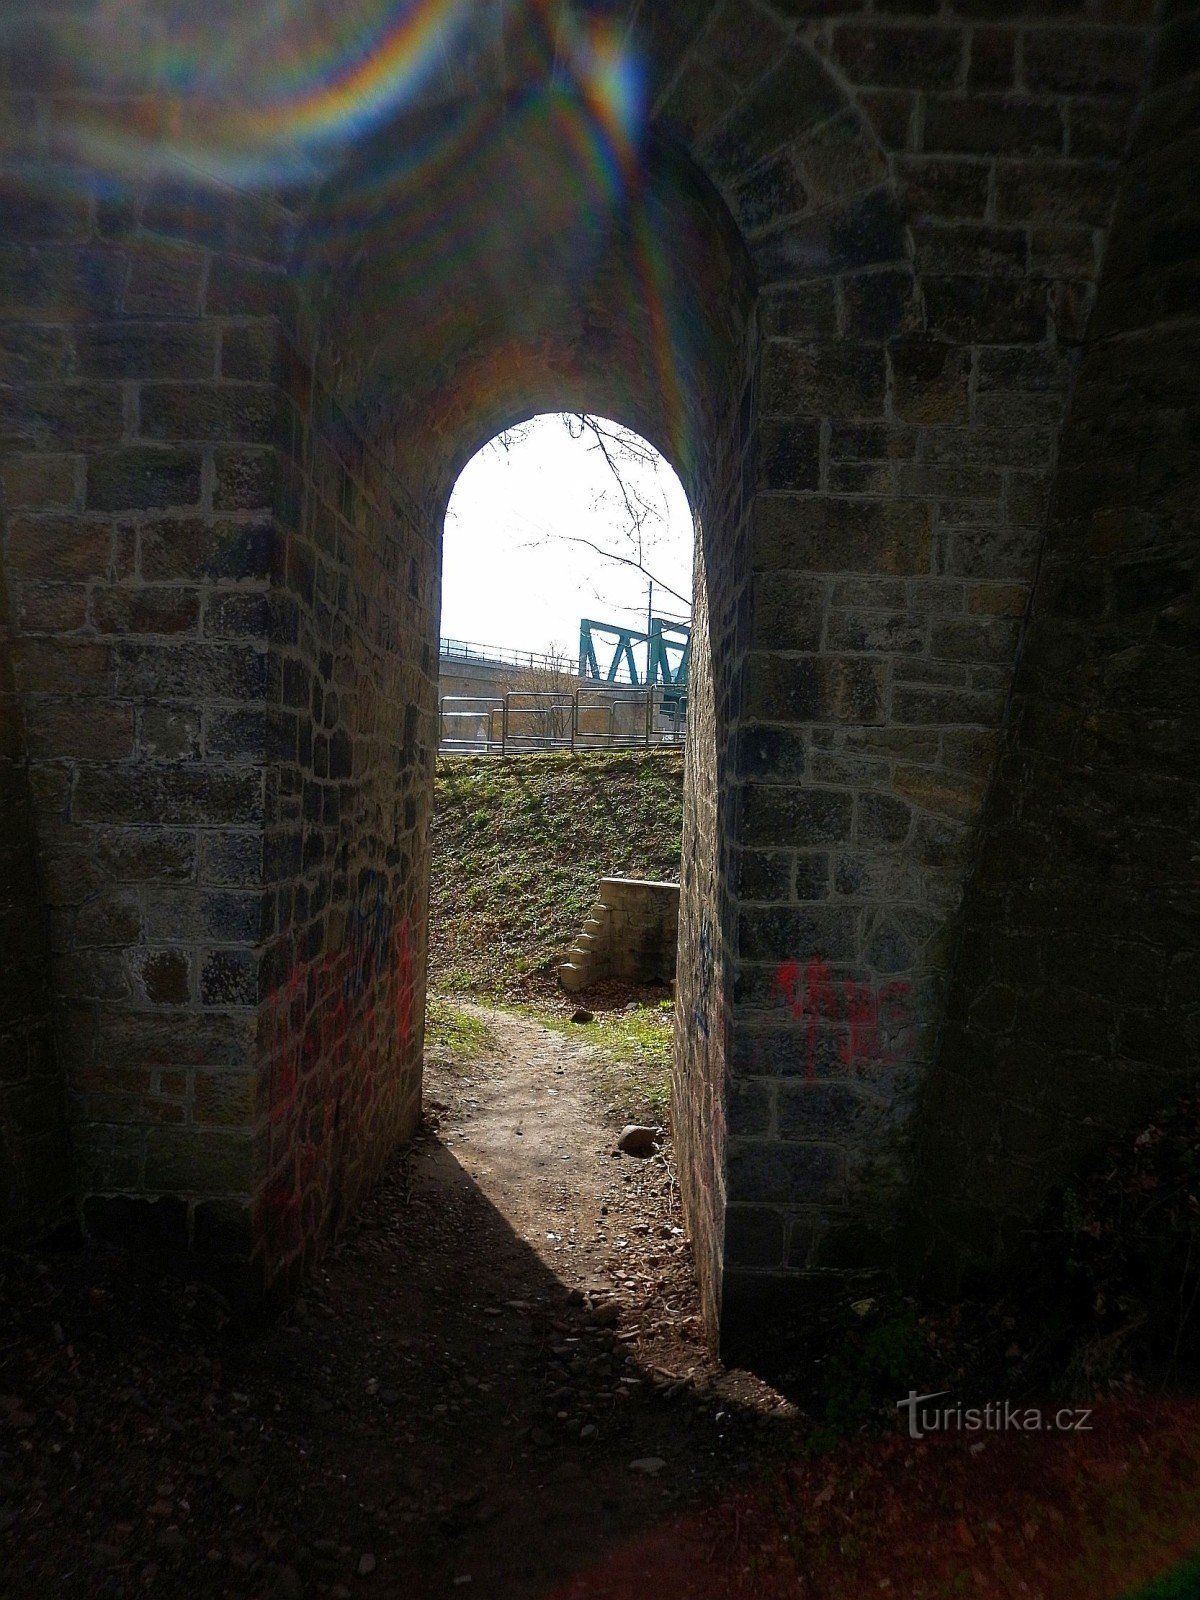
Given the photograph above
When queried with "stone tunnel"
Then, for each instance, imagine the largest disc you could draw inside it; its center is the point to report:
(909, 295)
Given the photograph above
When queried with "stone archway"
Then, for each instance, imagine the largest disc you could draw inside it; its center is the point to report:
(881, 238)
(632, 297)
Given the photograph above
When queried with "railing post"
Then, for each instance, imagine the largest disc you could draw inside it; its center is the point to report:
(504, 728)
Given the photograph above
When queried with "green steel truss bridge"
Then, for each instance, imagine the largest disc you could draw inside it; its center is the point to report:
(608, 653)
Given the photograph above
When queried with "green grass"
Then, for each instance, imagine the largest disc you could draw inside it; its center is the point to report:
(633, 1057)
(519, 845)
(454, 1034)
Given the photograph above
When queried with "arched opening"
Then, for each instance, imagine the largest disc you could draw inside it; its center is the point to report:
(568, 554)
(632, 303)
(568, 557)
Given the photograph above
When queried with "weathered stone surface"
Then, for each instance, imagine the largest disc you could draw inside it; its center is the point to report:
(1059, 1025)
(227, 556)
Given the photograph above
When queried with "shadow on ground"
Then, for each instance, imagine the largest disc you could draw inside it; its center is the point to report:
(437, 1413)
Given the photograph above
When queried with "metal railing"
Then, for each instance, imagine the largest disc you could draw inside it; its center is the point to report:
(602, 717)
(496, 655)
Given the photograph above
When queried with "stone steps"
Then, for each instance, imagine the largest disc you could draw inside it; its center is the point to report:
(631, 932)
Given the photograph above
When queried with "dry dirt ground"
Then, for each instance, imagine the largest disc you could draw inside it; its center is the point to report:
(497, 1379)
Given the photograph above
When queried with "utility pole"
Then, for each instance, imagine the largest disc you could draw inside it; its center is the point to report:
(649, 635)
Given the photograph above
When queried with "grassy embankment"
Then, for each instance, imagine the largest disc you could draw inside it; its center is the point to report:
(519, 847)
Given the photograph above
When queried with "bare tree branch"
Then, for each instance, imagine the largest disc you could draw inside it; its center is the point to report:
(626, 561)
(614, 443)
(619, 448)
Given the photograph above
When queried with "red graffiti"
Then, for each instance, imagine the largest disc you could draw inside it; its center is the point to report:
(279, 1211)
(404, 984)
(865, 1015)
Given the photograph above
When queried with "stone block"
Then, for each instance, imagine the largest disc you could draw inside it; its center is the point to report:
(771, 752)
(879, 305)
(1001, 553)
(193, 549)
(81, 732)
(814, 688)
(129, 349)
(817, 379)
(900, 55)
(203, 1160)
(788, 610)
(944, 187)
(952, 794)
(48, 282)
(1075, 192)
(882, 819)
(993, 59)
(159, 611)
(32, 354)
(767, 118)
(190, 671)
(764, 875)
(754, 1236)
(244, 289)
(164, 976)
(226, 1099)
(821, 534)
(773, 190)
(825, 1112)
(233, 412)
(992, 640)
(862, 233)
(790, 454)
(60, 416)
(244, 479)
(112, 918)
(794, 1174)
(750, 1107)
(211, 795)
(63, 667)
(164, 279)
(1093, 62)
(839, 161)
(141, 477)
(800, 312)
(915, 703)
(986, 124)
(251, 351)
(167, 734)
(38, 482)
(877, 632)
(981, 310)
(797, 817)
(971, 248)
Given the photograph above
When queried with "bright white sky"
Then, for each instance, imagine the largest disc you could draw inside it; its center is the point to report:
(511, 574)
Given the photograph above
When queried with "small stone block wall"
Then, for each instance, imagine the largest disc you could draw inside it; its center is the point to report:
(631, 932)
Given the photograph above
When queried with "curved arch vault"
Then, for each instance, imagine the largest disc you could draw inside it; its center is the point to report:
(838, 268)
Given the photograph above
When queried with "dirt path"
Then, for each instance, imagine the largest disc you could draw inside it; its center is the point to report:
(496, 1380)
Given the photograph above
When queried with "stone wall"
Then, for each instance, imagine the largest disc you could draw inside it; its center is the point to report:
(137, 421)
(350, 746)
(36, 1187)
(1075, 1006)
(925, 223)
